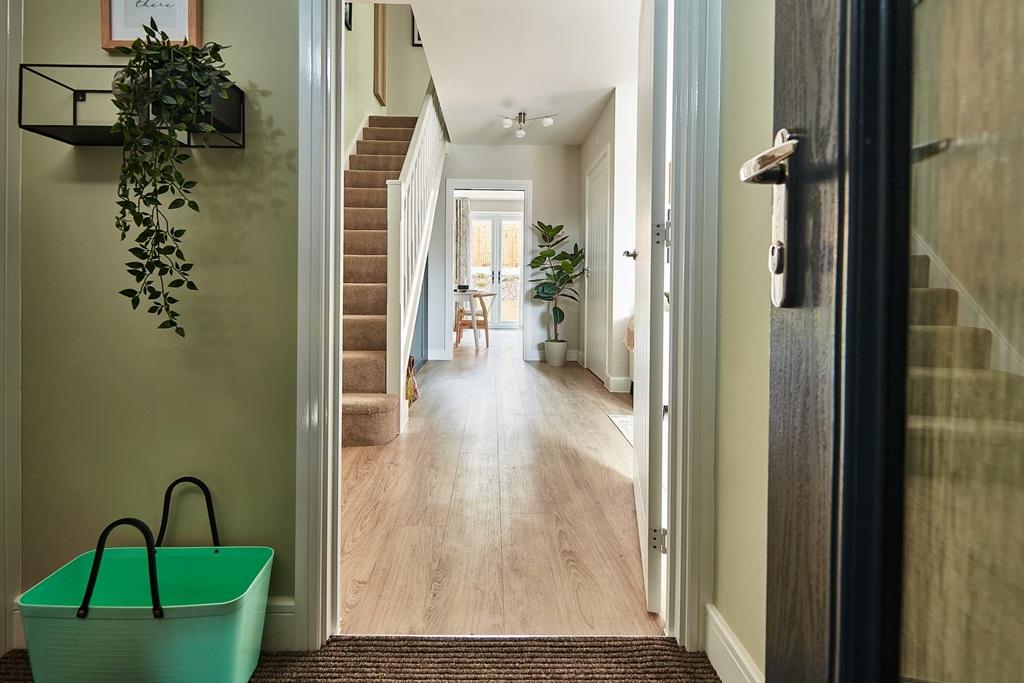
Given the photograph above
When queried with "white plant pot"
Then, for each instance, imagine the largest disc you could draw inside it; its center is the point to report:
(554, 352)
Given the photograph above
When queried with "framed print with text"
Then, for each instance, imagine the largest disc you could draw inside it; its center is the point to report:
(122, 20)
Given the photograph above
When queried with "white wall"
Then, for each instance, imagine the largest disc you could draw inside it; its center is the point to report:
(496, 205)
(616, 127)
(555, 172)
(624, 229)
(359, 101)
(408, 73)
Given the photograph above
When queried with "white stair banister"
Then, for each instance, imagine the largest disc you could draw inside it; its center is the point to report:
(412, 200)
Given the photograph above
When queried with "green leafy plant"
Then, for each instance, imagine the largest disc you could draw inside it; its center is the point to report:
(560, 270)
(164, 92)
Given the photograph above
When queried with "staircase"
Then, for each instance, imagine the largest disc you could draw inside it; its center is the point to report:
(391, 192)
(369, 415)
(964, 495)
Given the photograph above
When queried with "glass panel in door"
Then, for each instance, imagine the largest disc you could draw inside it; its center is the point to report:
(510, 276)
(481, 247)
(963, 576)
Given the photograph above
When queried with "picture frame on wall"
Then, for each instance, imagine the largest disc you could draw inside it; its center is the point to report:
(348, 16)
(417, 40)
(122, 20)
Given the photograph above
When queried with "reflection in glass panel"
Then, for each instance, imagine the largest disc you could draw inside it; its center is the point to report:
(511, 269)
(963, 583)
(480, 263)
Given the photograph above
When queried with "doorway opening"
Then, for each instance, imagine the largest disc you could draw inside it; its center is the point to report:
(488, 251)
(487, 242)
(507, 507)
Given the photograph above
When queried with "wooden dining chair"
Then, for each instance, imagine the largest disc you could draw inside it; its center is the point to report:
(464, 320)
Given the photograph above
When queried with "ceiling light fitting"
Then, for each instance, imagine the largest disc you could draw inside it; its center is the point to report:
(521, 120)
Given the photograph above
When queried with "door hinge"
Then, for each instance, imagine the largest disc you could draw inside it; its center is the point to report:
(659, 233)
(659, 540)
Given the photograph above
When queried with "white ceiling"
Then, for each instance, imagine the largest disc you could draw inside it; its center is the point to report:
(491, 58)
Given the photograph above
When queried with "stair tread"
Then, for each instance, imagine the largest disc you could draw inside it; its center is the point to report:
(388, 163)
(933, 306)
(967, 329)
(384, 121)
(368, 355)
(366, 198)
(382, 148)
(919, 271)
(964, 373)
(356, 179)
(368, 404)
(1002, 430)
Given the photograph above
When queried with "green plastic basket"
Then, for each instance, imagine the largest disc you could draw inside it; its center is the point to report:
(153, 614)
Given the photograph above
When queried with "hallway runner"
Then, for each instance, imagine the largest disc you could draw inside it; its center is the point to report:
(413, 658)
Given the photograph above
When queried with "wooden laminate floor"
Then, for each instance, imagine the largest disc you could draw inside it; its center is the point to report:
(506, 508)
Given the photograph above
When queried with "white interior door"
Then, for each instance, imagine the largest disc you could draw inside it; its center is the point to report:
(649, 341)
(598, 209)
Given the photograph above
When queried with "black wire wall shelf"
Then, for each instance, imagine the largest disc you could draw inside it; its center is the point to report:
(227, 119)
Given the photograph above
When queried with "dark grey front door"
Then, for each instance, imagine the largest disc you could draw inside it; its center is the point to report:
(809, 103)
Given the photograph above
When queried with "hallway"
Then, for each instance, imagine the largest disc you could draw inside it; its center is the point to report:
(506, 508)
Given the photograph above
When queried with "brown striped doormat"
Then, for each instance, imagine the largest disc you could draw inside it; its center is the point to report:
(413, 658)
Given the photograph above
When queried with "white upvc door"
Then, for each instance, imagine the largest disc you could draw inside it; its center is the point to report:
(598, 190)
(649, 320)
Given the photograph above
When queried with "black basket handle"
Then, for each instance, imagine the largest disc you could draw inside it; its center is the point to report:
(154, 590)
(209, 509)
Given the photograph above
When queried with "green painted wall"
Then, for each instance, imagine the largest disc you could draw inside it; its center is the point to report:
(741, 491)
(114, 409)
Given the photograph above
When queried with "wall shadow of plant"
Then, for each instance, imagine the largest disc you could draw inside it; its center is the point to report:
(244, 240)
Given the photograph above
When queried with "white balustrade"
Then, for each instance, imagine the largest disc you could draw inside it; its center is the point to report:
(412, 200)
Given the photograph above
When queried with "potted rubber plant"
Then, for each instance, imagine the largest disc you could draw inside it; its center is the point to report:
(559, 270)
(165, 90)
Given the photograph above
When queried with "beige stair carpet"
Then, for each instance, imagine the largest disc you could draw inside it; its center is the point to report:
(369, 414)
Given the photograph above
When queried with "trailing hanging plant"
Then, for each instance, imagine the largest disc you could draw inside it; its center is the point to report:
(164, 91)
(561, 269)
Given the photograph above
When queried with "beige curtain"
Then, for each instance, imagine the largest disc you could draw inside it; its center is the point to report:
(461, 241)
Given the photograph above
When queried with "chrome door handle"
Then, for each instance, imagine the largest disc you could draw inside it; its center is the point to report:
(630, 254)
(771, 167)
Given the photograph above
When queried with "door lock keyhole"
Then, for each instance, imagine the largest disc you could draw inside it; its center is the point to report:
(776, 258)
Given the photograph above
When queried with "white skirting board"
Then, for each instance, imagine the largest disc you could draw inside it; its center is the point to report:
(279, 629)
(19, 633)
(727, 654)
(619, 385)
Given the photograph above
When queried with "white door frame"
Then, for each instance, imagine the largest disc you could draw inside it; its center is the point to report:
(695, 189)
(604, 157)
(10, 325)
(497, 218)
(694, 318)
(318, 380)
(451, 185)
